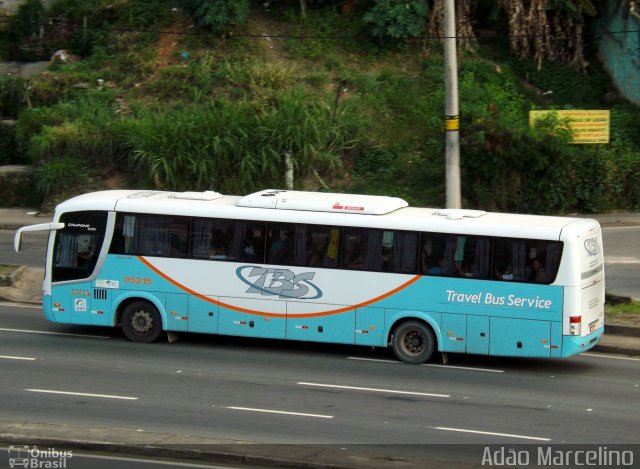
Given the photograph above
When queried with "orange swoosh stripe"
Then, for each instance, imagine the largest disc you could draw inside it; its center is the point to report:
(277, 315)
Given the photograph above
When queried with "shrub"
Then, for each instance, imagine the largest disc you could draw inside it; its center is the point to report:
(397, 20)
(61, 177)
(216, 15)
(11, 152)
(13, 96)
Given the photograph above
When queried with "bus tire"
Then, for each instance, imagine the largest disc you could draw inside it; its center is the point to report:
(141, 322)
(413, 342)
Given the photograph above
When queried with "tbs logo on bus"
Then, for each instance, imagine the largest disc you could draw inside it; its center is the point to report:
(279, 282)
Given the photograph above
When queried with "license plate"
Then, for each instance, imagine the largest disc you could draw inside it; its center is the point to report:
(593, 326)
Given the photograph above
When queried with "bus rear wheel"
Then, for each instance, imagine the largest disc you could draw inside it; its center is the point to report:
(413, 342)
(141, 322)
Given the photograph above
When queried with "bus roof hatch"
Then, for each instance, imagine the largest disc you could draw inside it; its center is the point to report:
(322, 202)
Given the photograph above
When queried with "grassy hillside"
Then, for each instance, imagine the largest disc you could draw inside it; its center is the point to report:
(184, 109)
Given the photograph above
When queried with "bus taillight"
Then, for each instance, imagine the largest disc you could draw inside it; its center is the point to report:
(575, 325)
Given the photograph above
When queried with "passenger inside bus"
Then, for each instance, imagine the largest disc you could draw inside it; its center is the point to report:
(536, 272)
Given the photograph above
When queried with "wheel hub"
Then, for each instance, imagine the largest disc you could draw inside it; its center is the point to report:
(142, 322)
(414, 342)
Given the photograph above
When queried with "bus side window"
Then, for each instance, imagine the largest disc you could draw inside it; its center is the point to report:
(178, 239)
(433, 255)
(399, 252)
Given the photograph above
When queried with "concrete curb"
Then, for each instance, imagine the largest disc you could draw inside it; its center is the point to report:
(16, 275)
(629, 331)
(220, 451)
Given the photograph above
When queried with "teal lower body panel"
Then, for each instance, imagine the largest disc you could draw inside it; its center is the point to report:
(511, 337)
(572, 345)
(370, 326)
(46, 308)
(335, 328)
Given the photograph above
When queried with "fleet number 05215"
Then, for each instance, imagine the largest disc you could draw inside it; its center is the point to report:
(132, 279)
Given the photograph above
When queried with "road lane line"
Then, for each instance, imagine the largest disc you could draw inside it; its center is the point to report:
(84, 394)
(395, 362)
(469, 368)
(523, 437)
(19, 305)
(356, 388)
(613, 228)
(270, 411)
(141, 460)
(599, 355)
(621, 260)
(9, 357)
(27, 331)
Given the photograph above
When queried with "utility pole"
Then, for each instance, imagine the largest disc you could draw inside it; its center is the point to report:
(451, 117)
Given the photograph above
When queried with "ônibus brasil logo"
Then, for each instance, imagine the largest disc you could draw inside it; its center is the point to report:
(279, 282)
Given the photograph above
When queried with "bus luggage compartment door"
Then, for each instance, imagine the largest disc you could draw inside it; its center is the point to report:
(252, 318)
(478, 334)
(520, 337)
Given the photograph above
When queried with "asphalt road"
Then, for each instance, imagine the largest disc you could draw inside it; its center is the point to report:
(277, 392)
(622, 260)
(34, 246)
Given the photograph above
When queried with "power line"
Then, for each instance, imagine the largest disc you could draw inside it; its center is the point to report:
(356, 36)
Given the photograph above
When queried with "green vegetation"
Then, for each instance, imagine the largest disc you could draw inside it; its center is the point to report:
(5, 271)
(196, 95)
(626, 307)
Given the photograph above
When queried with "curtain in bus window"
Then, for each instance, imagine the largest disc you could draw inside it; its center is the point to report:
(300, 245)
(152, 236)
(128, 231)
(373, 259)
(331, 255)
(554, 251)
(68, 250)
(519, 257)
(459, 254)
(404, 252)
(239, 240)
(482, 259)
(449, 253)
(201, 237)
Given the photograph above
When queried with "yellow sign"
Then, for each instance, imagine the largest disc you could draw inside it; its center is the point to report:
(587, 126)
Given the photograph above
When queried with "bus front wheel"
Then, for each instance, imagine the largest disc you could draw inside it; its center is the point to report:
(413, 342)
(141, 322)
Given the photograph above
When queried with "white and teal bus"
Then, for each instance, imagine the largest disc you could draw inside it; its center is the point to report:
(326, 267)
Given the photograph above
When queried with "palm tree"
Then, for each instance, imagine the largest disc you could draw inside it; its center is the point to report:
(549, 29)
(465, 35)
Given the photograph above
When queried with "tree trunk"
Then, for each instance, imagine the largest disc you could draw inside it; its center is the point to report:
(466, 38)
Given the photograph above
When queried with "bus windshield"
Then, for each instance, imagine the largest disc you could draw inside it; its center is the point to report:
(77, 245)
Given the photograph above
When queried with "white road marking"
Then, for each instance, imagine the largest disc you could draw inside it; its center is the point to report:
(19, 305)
(395, 362)
(271, 411)
(523, 437)
(155, 462)
(27, 331)
(469, 368)
(357, 388)
(84, 394)
(599, 355)
(631, 227)
(8, 357)
(621, 260)
(140, 460)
